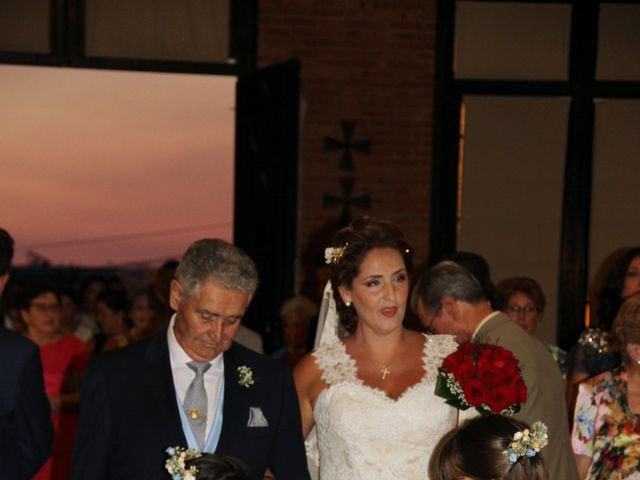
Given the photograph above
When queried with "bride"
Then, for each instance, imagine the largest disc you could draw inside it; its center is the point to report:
(370, 396)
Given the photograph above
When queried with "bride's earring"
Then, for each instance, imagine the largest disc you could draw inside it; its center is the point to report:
(348, 303)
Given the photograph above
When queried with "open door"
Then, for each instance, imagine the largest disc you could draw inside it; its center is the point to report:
(266, 184)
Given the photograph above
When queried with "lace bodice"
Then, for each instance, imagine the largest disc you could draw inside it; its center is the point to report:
(364, 434)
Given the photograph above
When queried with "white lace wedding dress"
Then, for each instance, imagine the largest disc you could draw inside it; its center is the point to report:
(362, 434)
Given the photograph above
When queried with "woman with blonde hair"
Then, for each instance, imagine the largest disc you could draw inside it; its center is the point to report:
(606, 430)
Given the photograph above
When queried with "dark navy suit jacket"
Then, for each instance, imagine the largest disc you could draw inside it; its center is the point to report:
(129, 415)
(26, 433)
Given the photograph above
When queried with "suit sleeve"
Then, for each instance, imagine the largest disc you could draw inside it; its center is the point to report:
(33, 417)
(91, 452)
(287, 456)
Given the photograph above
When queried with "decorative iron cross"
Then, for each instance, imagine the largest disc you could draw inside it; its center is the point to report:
(346, 200)
(347, 145)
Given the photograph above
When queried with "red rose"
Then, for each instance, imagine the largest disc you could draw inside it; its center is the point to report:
(475, 392)
(465, 371)
(501, 397)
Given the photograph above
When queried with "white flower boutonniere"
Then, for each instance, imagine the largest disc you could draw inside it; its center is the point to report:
(245, 376)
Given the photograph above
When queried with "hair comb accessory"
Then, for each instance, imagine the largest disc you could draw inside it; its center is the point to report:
(334, 254)
(527, 443)
(176, 463)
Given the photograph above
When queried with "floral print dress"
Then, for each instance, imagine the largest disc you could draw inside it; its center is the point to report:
(606, 429)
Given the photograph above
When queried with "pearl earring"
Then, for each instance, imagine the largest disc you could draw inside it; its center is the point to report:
(348, 303)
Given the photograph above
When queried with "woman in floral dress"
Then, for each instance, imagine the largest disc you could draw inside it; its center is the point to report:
(606, 430)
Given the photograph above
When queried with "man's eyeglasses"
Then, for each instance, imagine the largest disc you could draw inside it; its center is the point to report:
(528, 310)
(43, 307)
(429, 328)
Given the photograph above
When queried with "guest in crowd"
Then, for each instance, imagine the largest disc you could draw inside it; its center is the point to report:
(371, 395)
(296, 314)
(606, 429)
(523, 301)
(71, 321)
(143, 317)
(112, 307)
(26, 433)
(64, 359)
(91, 288)
(449, 299)
(160, 283)
(11, 307)
(491, 447)
(593, 353)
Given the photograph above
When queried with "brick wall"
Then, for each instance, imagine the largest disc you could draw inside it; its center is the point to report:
(370, 63)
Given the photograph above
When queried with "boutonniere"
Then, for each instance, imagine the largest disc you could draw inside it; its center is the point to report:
(245, 376)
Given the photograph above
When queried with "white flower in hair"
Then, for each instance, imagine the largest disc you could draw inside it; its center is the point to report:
(527, 443)
(334, 254)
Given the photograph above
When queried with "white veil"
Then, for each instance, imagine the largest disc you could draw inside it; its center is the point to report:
(329, 329)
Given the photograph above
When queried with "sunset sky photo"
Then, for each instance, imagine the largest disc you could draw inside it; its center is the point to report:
(104, 168)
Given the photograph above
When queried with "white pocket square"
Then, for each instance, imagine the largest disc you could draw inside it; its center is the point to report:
(257, 418)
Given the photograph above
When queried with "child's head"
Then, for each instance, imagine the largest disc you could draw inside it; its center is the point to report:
(190, 464)
(219, 467)
(491, 447)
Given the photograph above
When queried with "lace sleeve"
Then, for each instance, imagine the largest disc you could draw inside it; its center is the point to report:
(436, 348)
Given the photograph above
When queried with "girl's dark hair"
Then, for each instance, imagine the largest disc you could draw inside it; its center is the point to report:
(476, 450)
(609, 297)
(219, 467)
(359, 238)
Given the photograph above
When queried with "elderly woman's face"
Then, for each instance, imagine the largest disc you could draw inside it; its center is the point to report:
(43, 315)
(631, 279)
(521, 310)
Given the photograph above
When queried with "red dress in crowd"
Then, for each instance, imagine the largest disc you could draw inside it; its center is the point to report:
(63, 363)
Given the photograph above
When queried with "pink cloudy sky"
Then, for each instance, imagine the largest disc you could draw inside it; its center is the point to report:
(102, 167)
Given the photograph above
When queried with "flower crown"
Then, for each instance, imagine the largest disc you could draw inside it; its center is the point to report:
(527, 443)
(176, 463)
(334, 254)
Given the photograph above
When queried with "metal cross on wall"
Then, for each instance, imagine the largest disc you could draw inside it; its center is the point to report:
(347, 145)
(346, 200)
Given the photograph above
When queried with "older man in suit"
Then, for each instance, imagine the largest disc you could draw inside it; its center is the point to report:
(192, 385)
(26, 433)
(449, 299)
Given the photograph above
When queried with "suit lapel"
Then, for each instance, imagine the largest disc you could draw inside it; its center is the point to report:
(162, 396)
(234, 401)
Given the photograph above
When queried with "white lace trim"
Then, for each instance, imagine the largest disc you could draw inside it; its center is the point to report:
(339, 367)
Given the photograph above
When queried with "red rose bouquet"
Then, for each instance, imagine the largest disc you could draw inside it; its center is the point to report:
(483, 376)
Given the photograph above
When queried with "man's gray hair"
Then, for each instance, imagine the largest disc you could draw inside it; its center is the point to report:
(217, 261)
(445, 279)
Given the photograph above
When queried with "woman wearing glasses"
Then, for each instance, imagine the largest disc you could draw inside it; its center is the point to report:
(64, 359)
(523, 301)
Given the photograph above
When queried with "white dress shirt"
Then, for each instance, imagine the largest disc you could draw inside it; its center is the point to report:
(183, 375)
